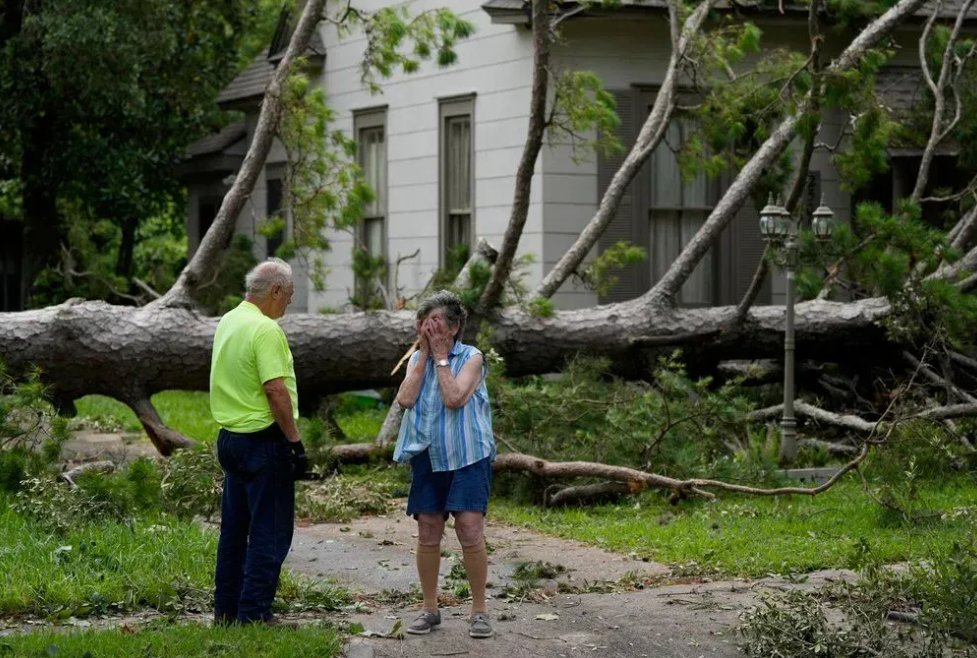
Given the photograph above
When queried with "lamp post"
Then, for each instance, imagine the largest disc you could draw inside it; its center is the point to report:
(779, 230)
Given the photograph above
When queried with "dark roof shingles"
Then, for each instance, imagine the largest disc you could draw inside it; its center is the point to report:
(250, 82)
(227, 136)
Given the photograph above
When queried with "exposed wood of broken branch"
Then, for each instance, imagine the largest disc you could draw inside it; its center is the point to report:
(805, 409)
(89, 467)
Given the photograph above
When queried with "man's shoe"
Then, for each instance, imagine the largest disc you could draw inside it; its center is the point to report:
(272, 622)
(223, 619)
(424, 623)
(480, 626)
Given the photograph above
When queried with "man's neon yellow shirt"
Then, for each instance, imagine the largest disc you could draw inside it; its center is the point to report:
(249, 350)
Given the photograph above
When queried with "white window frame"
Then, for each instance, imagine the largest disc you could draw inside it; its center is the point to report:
(373, 119)
(451, 110)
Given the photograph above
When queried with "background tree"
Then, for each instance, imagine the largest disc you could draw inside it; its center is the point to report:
(98, 101)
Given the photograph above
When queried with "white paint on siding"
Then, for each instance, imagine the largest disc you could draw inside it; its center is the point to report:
(495, 65)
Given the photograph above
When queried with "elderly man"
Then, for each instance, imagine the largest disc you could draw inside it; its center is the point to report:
(254, 400)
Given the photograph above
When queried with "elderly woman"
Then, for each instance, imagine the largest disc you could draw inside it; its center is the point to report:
(446, 435)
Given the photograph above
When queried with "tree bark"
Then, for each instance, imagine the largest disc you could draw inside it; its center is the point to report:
(130, 353)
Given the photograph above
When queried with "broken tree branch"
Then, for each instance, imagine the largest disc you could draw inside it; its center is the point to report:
(650, 136)
(804, 409)
(530, 153)
(640, 480)
(938, 131)
(665, 291)
(207, 258)
(932, 376)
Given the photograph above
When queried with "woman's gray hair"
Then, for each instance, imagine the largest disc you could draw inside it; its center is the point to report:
(450, 303)
(266, 275)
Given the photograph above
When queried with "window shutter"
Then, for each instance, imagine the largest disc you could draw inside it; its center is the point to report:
(744, 247)
(742, 250)
(624, 225)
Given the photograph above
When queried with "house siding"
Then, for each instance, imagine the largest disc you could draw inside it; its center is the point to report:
(494, 67)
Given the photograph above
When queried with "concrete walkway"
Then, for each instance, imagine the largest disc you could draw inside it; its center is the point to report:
(665, 619)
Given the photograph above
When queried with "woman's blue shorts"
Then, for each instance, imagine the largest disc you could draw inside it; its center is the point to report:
(441, 492)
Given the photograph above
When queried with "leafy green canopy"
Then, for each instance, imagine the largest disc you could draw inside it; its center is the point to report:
(98, 101)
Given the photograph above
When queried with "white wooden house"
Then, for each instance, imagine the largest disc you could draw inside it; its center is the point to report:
(441, 148)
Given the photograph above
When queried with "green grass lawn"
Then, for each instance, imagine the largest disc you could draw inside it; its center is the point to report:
(159, 562)
(737, 535)
(188, 412)
(179, 641)
(156, 561)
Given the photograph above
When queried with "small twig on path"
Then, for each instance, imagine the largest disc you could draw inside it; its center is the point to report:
(536, 637)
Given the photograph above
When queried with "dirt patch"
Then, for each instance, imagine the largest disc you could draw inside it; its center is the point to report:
(117, 447)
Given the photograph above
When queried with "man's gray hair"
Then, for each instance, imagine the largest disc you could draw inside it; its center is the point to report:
(266, 275)
(450, 303)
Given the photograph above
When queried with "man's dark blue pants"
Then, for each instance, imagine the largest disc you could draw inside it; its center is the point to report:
(257, 516)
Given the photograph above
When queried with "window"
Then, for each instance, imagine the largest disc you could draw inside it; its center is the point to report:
(371, 153)
(273, 208)
(207, 209)
(677, 208)
(457, 180)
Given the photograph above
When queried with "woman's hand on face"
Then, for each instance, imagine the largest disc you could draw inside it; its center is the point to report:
(439, 338)
(422, 344)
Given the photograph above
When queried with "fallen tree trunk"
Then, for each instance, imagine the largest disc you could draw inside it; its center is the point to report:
(130, 353)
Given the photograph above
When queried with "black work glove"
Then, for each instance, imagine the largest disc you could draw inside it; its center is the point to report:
(299, 460)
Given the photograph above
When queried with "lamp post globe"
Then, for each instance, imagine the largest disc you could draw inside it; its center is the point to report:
(769, 217)
(822, 222)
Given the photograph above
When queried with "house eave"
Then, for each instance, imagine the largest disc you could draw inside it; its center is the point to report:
(516, 12)
(208, 167)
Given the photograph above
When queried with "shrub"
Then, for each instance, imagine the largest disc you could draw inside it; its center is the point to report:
(60, 506)
(674, 424)
(344, 497)
(192, 482)
(31, 432)
(914, 452)
(940, 596)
